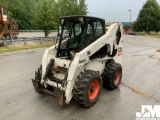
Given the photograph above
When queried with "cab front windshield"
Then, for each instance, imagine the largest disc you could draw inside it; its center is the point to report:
(71, 34)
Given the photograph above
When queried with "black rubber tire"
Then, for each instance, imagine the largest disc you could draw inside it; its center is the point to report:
(110, 75)
(82, 85)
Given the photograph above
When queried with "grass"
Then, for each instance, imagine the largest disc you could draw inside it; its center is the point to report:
(16, 48)
(152, 34)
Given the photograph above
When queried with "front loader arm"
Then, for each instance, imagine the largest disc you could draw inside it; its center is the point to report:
(81, 59)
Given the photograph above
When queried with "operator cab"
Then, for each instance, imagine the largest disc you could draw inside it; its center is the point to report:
(76, 33)
(3, 14)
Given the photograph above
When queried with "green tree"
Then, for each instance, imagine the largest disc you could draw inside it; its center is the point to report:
(47, 12)
(70, 7)
(127, 26)
(20, 10)
(148, 18)
(43, 16)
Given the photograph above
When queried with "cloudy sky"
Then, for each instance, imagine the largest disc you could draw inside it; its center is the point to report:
(115, 10)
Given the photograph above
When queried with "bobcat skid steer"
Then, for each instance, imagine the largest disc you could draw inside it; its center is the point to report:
(89, 56)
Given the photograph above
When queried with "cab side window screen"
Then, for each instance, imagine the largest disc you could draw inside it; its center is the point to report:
(98, 29)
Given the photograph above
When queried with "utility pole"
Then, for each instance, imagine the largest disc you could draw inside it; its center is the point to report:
(130, 16)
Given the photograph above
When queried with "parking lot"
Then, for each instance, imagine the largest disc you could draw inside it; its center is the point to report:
(140, 86)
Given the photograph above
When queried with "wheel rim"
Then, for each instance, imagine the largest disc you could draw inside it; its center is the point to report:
(93, 89)
(117, 77)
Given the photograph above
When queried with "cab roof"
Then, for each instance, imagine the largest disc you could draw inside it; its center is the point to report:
(82, 16)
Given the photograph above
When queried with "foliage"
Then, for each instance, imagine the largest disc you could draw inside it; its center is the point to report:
(20, 10)
(127, 26)
(43, 17)
(148, 18)
(70, 7)
(42, 14)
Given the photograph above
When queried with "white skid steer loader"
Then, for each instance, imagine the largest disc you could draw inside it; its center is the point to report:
(87, 55)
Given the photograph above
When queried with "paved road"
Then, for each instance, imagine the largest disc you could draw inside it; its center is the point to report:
(140, 86)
